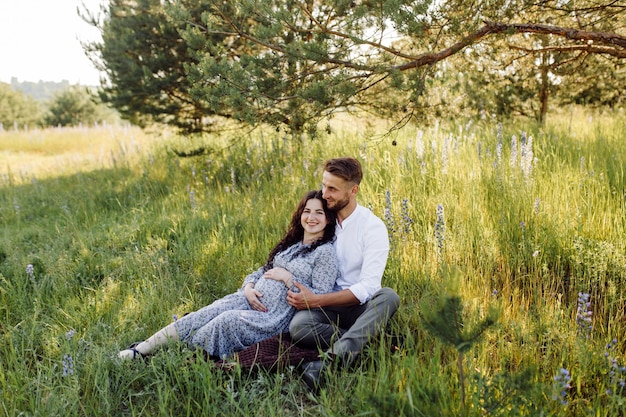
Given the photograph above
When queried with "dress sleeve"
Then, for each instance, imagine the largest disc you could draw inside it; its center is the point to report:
(325, 270)
(253, 277)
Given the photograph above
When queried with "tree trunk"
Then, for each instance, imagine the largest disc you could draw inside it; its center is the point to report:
(544, 88)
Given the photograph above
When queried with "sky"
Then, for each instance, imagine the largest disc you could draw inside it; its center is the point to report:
(40, 40)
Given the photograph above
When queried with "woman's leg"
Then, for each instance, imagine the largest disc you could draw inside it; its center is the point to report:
(185, 327)
(233, 331)
(160, 338)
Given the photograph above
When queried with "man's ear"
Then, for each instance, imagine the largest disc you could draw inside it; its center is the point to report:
(355, 189)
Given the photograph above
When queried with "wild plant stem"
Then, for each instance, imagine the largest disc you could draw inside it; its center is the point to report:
(462, 380)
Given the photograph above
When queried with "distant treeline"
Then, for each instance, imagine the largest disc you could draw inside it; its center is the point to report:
(41, 90)
(48, 103)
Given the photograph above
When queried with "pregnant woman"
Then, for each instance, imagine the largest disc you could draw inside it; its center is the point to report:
(259, 309)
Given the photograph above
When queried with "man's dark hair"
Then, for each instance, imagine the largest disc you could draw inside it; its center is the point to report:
(347, 168)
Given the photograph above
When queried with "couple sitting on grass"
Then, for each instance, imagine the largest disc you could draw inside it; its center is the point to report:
(321, 282)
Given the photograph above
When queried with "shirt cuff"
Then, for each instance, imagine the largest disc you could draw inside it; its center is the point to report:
(360, 293)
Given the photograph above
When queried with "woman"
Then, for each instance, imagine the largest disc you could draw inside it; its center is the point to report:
(259, 309)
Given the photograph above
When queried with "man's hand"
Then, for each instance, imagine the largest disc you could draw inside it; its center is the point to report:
(253, 296)
(303, 300)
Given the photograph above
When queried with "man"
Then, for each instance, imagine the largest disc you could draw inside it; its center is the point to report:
(344, 320)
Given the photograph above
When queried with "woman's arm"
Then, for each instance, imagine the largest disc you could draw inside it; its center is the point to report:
(325, 270)
(280, 274)
(252, 295)
(320, 293)
(253, 277)
(322, 277)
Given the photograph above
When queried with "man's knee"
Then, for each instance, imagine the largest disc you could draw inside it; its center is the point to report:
(300, 325)
(388, 299)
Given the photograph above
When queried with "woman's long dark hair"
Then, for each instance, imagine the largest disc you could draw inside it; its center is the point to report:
(295, 232)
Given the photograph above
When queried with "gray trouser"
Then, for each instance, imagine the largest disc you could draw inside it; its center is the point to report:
(344, 330)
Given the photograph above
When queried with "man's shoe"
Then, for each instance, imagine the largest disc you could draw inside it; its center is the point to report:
(312, 374)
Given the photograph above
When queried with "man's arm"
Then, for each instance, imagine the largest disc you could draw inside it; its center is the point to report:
(365, 257)
(307, 299)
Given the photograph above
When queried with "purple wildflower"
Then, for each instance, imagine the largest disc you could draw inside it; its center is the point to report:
(561, 385)
(583, 314)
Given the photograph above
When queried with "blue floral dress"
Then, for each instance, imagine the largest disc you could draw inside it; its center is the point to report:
(229, 324)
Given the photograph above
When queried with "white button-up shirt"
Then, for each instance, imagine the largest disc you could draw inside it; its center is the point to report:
(362, 248)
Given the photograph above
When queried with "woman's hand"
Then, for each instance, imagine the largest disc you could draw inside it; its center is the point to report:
(253, 296)
(280, 274)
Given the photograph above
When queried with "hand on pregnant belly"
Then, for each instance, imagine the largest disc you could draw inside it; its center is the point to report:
(279, 274)
(254, 296)
(274, 293)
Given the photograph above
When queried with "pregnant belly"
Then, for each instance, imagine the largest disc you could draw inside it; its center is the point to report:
(274, 293)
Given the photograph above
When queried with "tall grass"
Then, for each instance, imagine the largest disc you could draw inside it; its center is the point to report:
(106, 235)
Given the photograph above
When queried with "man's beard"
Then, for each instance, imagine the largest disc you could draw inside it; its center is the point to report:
(340, 204)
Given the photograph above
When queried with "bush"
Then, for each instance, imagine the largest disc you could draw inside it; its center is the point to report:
(72, 107)
(17, 109)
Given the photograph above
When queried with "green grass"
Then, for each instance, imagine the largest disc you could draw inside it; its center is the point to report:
(122, 235)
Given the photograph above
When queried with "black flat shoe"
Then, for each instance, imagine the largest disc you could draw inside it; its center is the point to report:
(136, 353)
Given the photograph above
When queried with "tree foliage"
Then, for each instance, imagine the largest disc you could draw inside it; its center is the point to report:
(72, 107)
(293, 62)
(17, 109)
(599, 81)
(143, 57)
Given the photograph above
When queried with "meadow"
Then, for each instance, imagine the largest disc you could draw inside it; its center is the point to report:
(508, 252)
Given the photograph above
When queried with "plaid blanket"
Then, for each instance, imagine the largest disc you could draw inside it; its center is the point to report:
(273, 354)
